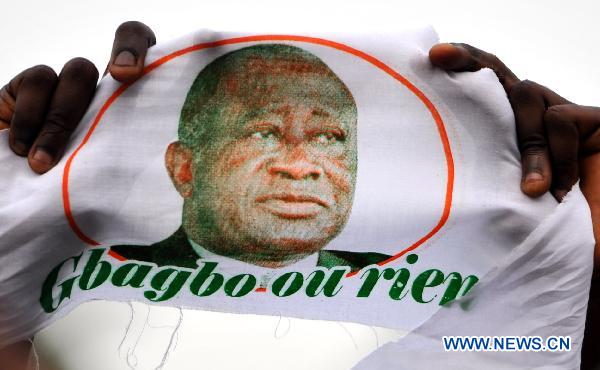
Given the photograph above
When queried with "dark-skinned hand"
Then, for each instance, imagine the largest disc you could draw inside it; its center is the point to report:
(41, 109)
(559, 141)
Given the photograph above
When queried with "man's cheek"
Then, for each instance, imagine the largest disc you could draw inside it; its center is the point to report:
(239, 154)
(341, 174)
(240, 176)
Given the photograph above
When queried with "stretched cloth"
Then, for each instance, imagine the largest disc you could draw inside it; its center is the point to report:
(320, 176)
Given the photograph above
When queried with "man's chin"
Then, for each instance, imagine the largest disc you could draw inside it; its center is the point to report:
(285, 247)
(295, 233)
(297, 245)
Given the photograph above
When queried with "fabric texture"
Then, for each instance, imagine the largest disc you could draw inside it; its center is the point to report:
(275, 151)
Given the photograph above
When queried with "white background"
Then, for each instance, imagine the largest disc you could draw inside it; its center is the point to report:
(552, 42)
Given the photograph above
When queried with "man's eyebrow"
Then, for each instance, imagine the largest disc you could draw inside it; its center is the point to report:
(320, 112)
(253, 113)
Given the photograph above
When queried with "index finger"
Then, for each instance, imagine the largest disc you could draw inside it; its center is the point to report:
(458, 57)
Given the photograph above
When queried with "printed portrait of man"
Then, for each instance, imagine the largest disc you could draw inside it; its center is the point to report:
(265, 162)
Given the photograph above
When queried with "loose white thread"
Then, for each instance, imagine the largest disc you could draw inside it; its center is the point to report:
(131, 358)
(172, 341)
(35, 355)
(349, 334)
(277, 328)
(376, 336)
(126, 329)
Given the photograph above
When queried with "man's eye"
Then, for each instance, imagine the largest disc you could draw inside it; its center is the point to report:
(263, 134)
(328, 138)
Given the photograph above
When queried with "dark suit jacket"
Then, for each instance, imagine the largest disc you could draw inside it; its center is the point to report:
(177, 251)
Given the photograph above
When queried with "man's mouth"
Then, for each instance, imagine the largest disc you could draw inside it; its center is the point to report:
(292, 206)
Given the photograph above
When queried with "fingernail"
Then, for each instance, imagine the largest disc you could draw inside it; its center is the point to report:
(20, 147)
(125, 59)
(534, 177)
(43, 157)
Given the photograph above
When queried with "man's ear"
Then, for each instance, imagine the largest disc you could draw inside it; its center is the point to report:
(178, 160)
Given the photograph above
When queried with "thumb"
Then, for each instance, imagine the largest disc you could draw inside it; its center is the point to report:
(132, 40)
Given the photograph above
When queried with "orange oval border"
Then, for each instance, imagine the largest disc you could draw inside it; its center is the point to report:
(312, 40)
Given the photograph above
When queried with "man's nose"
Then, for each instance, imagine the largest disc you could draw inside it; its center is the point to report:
(299, 169)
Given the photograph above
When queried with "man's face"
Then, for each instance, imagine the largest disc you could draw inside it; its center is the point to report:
(273, 178)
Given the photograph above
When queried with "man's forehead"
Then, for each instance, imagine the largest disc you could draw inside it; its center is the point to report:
(281, 64)
(265, 79)
(279, 76)
(280, 87)
(292, 101)
(267, 82)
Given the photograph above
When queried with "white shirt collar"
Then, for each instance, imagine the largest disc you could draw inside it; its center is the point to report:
(232, 266)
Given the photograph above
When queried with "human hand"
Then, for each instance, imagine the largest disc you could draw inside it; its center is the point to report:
(559, 141)
(41, 109)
